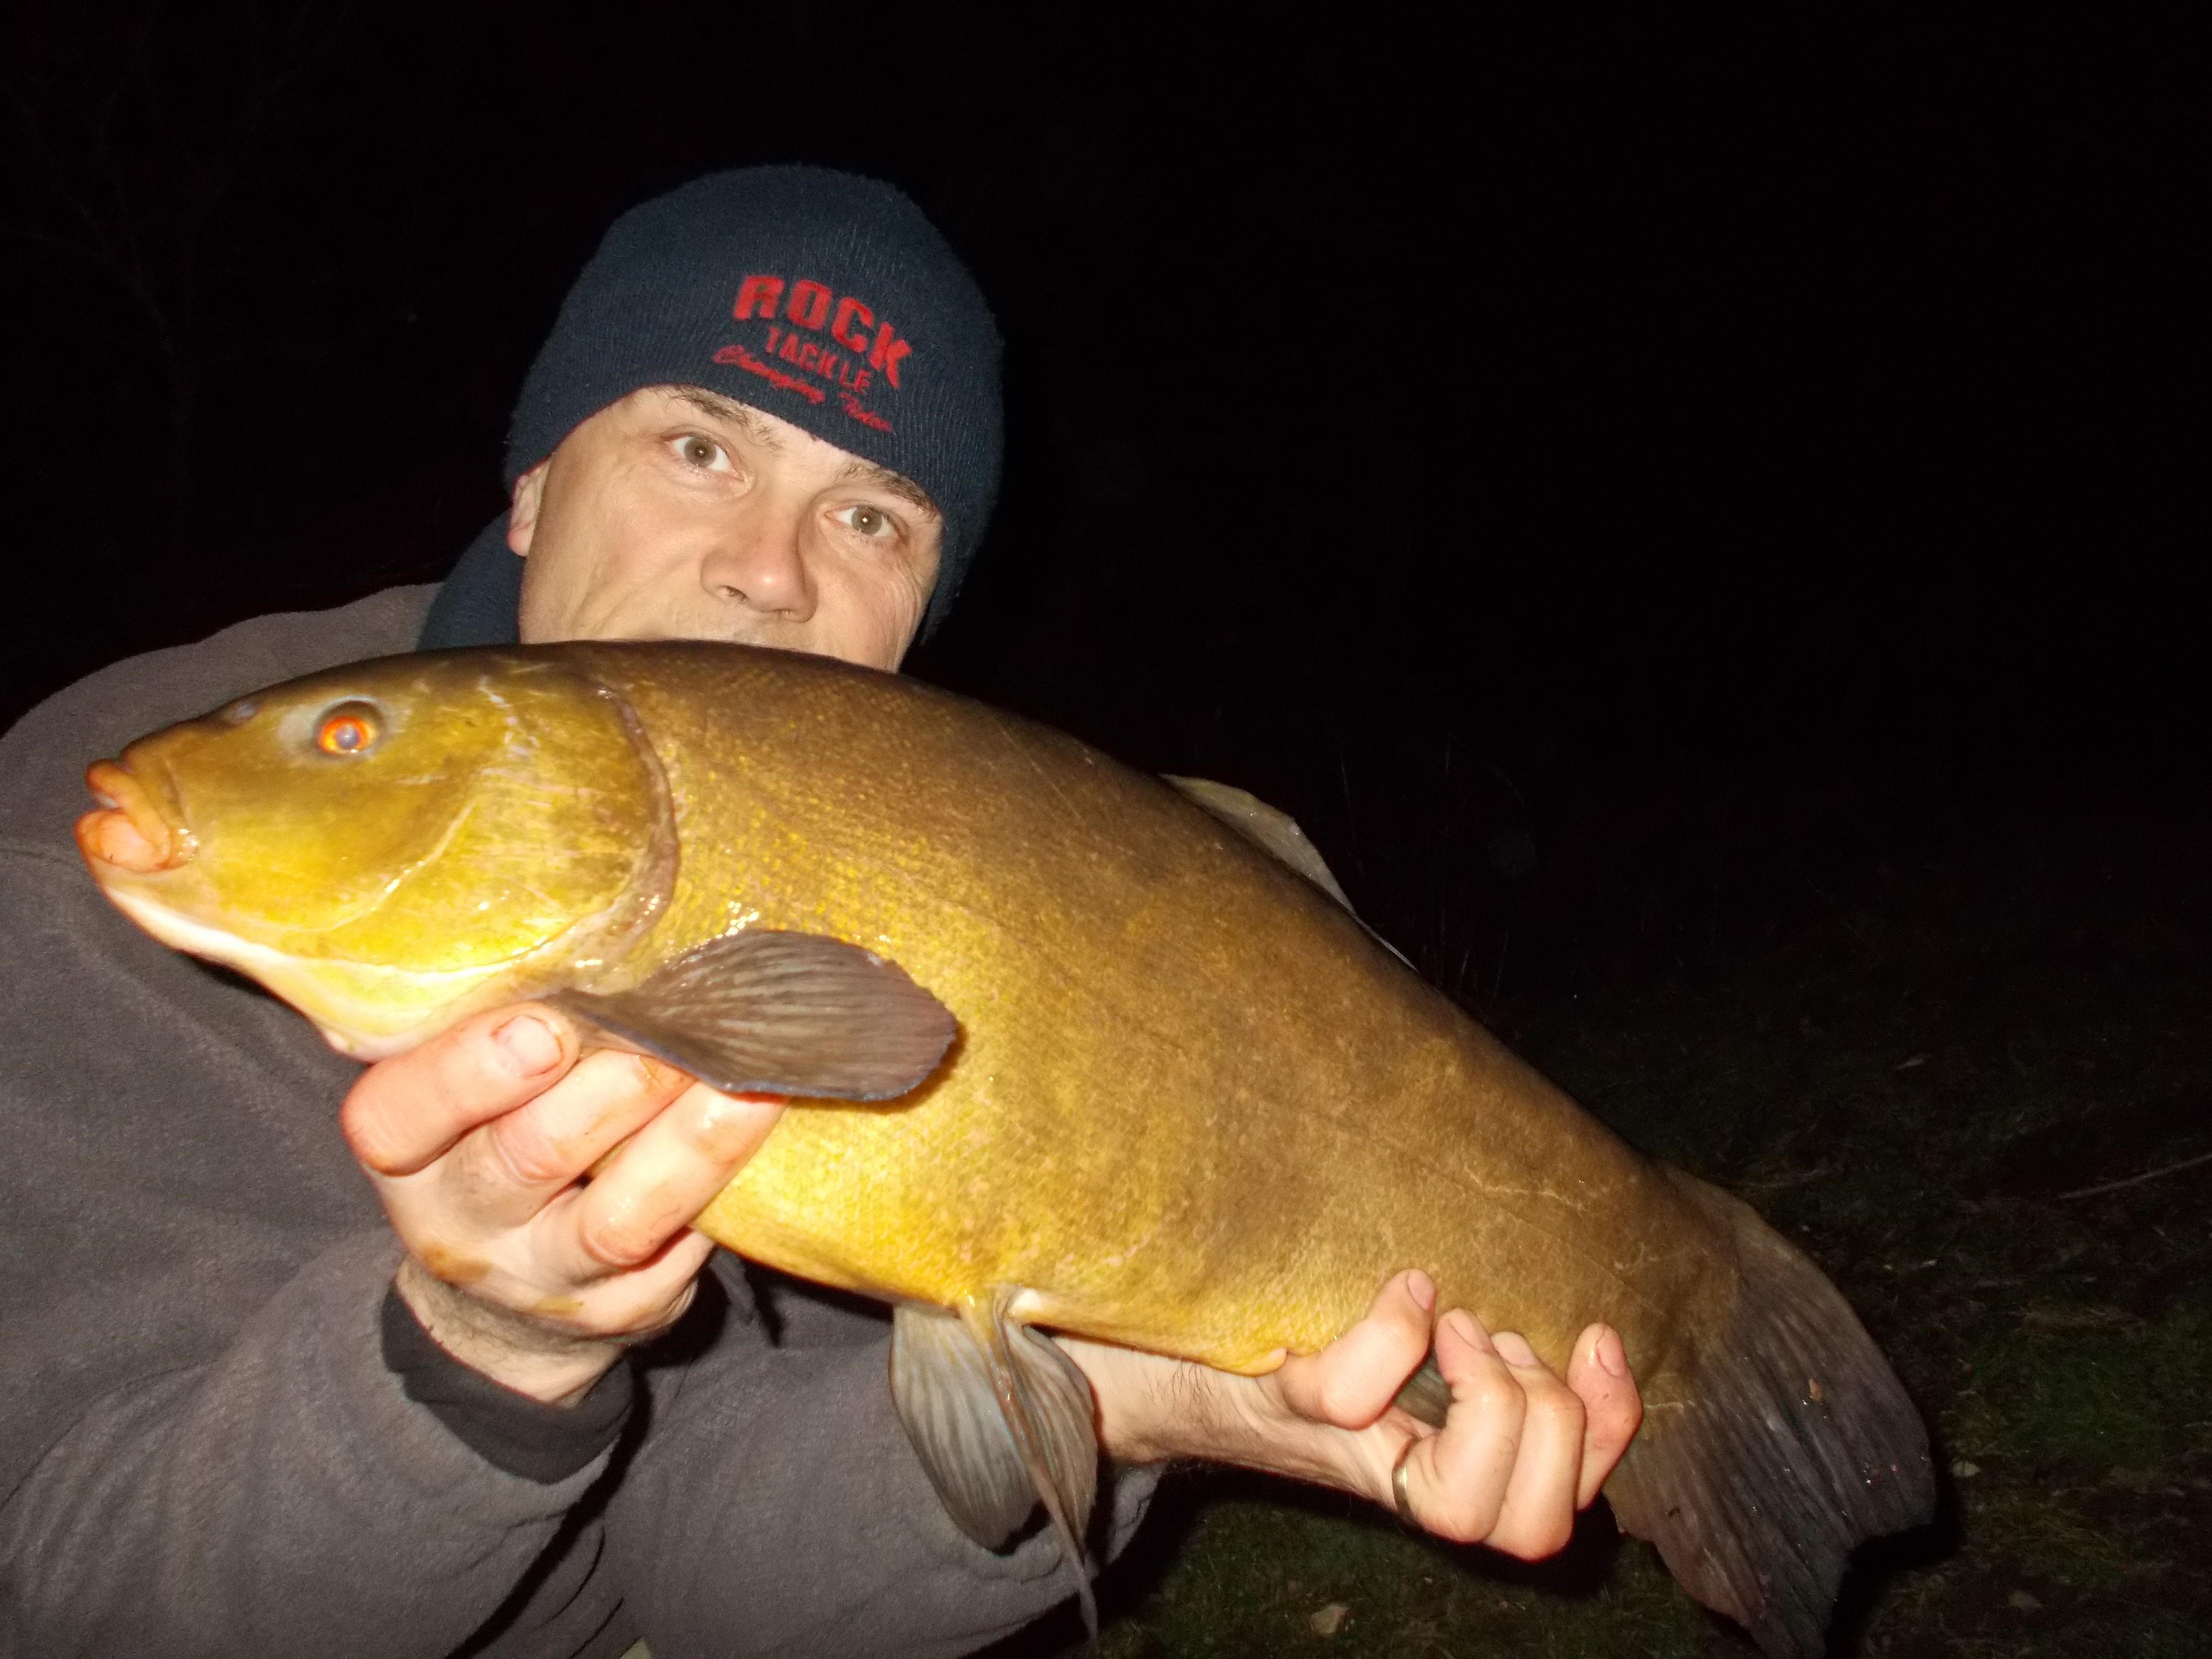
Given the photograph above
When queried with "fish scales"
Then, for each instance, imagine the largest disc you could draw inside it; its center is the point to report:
(1117, 1096)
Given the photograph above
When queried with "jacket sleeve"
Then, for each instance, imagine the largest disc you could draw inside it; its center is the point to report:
(204, 1449)
(284, 1497)
(776, 1508)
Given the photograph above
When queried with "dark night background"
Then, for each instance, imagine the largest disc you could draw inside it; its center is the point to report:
(1679, 511)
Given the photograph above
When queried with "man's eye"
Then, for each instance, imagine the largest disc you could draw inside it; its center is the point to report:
(704, 453)
(870, 521)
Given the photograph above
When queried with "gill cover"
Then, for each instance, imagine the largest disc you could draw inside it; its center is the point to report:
(408, 839)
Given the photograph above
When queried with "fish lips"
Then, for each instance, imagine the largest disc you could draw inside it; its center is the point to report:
(136, 828)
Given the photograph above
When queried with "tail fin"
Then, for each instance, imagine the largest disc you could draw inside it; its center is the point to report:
(1776, 1451)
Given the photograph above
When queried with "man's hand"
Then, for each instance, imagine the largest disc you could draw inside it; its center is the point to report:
(1520, 1452)
(522, 1260)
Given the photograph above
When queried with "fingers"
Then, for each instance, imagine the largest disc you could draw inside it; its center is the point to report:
(1613, 1409)
(1520, 1451)
(631, 1305)
(477, 1142)
(1537, 1516)
(1457, 1479)
(1350, 1382)
(405, 1111)
(1504, 1470)
(543, 1145)
(503, 1173)
(621, 1247)
(666, 1175)
(526, 1181)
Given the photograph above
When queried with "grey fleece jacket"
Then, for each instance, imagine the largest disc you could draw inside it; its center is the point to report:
(201, 1451)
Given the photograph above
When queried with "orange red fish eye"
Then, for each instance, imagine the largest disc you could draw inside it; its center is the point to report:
(346, 732)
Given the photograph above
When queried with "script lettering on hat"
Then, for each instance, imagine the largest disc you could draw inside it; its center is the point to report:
(790, 312)
(739, 357)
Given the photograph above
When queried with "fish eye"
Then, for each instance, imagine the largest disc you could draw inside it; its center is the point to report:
(240, 712)
(349, 729)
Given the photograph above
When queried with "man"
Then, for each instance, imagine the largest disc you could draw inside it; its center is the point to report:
(481, 1400)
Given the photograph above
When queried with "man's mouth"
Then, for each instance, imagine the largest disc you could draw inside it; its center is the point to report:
(126, 829)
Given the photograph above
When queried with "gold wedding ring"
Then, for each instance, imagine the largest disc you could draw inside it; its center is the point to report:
(1399, 1495)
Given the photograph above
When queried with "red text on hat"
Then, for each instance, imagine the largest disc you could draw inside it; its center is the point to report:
(811, 305)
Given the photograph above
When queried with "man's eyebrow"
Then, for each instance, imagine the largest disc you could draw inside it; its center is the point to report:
(890, 482)
(725, 408)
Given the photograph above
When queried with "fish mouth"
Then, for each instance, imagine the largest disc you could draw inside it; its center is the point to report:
(128, 830)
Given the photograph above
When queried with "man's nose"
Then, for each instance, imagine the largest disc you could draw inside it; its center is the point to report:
(762, 564)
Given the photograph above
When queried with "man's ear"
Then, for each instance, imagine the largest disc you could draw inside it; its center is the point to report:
(522, 510)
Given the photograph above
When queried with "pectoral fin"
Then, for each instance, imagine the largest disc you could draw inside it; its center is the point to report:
(1001, 1419)
(771, 1013)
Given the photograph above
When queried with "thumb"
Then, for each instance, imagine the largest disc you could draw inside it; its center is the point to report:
(1350, 1382)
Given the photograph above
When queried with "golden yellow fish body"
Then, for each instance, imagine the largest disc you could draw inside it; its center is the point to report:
(1194, 1106)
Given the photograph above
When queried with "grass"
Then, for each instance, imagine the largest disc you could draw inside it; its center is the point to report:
(1915, 1084)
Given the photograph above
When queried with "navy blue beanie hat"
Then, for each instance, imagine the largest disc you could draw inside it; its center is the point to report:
(824, 299)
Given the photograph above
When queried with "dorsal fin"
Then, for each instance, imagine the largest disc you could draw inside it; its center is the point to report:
(1273, 832)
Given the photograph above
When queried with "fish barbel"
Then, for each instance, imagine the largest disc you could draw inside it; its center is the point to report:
(1188, 1104)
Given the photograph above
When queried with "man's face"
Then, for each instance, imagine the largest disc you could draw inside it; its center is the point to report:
(679, 514)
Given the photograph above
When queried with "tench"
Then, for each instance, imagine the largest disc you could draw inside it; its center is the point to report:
(1073, 1052)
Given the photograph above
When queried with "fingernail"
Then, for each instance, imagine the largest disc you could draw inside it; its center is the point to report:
(1610, 1354)
(528, 1045)
(1464, 1326)
(1513, 1348)
(1421, 1288)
